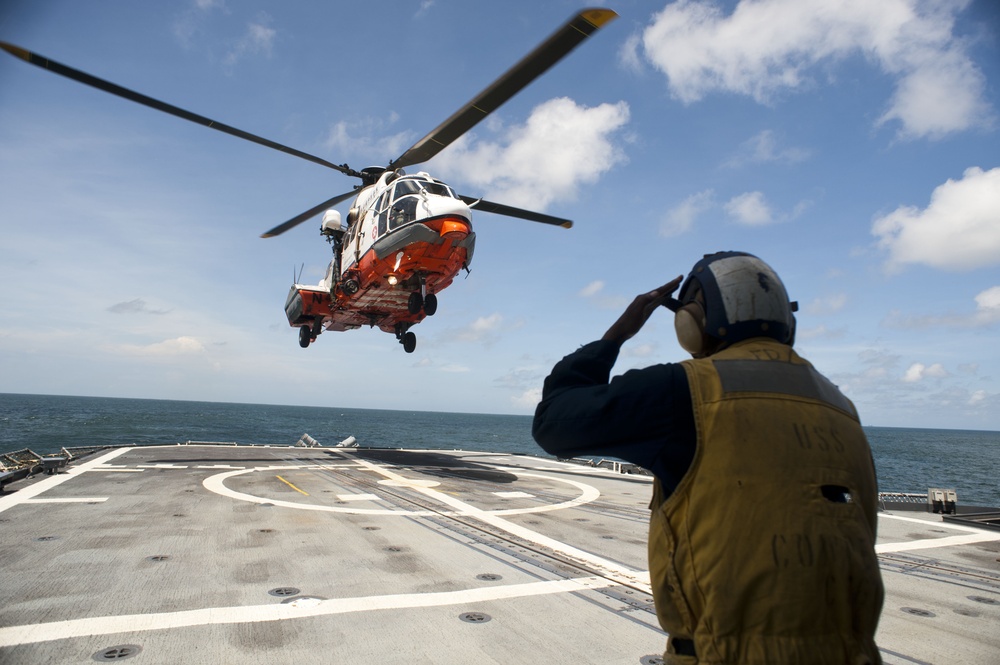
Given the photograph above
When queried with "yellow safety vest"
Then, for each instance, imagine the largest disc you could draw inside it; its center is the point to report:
(753, 559)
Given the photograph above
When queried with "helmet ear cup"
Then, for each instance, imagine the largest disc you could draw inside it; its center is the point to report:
(689, 324)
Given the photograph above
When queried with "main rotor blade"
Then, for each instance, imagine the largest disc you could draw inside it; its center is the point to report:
(500, 209)
(533, 65)
(114, 89)
(312, 212)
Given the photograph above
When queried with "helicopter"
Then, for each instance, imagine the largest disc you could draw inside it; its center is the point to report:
(406, 236)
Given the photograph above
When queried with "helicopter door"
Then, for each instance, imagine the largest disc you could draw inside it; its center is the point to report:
(348, 256)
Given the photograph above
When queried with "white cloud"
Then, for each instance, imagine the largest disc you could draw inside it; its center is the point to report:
(190, 24)
(767, 47)
(135, 306)
(827, 304)
(529, 399)
(939, 92)
(483, 328)
(256, 40)
(764, 148)
(958, 230)
(179, 346)
(750, 209)
(681, 218)
(987, 312)
(628, 55)
(591, 289)
(988, 305)
(561, 146)
(918, 372)
(820, 332)
(358, 139)
(594, 293)
(425, 6)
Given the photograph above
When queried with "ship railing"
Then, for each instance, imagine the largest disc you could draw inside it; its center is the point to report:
(933, 500)
(210, 443)
(76, 452)
(903, 497)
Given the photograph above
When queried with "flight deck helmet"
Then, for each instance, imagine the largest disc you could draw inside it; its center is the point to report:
(729, 297)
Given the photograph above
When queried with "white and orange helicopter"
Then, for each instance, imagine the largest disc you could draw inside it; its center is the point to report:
(406, 236)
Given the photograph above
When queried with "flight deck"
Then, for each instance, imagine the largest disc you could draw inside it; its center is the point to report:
(276, 554)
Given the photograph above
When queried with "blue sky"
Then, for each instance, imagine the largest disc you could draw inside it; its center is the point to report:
(853, 145)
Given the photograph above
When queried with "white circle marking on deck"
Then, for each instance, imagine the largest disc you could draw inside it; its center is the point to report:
(217, 484)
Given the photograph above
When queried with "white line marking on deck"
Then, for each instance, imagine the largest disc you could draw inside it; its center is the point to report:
(31, 491)
(160, 466)
(514, 495)
(973, 535)
(359, 497)
(219, 466)
(69, 500)
(406, 482)
(134, 623)
(119, 470)
(929, 543)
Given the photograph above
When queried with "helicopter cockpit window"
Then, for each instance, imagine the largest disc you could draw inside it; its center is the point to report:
(438, 188)
(402, 211)
(410, 186)
(406, 188)
(406, 197)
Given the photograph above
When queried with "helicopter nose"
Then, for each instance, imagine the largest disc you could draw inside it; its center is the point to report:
(453, 228)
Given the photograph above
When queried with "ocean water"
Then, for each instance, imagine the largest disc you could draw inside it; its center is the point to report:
(906, 460)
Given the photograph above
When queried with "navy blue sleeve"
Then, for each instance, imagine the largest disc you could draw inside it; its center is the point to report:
(643, 416)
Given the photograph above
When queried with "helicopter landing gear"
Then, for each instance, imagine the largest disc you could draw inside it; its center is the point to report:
(307, 334)
(418, 301)
(430, 304)
(407, 339)
(415, 302)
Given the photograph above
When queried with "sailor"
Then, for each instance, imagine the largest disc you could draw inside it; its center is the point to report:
(763, 515)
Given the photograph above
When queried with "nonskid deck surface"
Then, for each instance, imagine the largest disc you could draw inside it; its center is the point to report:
(222, 554)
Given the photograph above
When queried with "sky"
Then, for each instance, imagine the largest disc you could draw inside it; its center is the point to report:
(853, 145)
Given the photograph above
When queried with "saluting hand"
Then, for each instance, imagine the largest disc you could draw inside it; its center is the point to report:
(640, 309)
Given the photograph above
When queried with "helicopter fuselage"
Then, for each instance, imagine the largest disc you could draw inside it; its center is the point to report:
(405, 240)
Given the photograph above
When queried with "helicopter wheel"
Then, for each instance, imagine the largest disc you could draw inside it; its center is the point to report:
(415, 303)
(430, 304)
(305, 336)
(409, 342)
